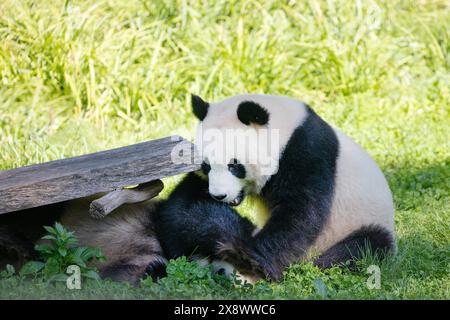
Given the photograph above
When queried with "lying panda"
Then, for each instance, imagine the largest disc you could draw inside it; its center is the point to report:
(326, 197)
(138, 239)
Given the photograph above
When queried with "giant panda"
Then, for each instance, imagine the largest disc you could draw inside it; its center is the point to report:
(326, 198)
(325, 195)
(136, 239)
(139, 239)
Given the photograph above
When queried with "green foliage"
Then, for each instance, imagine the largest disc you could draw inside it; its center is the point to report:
(190, 280)
(59, 252)
(9, 271)
(82, 76)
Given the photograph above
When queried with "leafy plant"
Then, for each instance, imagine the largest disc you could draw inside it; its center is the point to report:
(188, 279)
(60, 251)
(184, 276)
(8, 272)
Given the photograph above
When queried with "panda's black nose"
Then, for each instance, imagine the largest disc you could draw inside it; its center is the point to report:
(219, 197)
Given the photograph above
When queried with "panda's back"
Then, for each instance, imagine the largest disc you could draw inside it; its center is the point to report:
(361, 195)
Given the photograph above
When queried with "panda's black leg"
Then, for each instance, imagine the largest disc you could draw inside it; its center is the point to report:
(156, 270)
(374, 238)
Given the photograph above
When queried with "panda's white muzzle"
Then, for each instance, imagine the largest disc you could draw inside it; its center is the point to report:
(234, 202)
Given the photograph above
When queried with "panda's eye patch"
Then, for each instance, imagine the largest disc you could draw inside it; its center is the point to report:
(236, 169)
(205, 167)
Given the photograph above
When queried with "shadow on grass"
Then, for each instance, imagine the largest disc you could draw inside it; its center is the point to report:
(421, 196)
(21, 229)
(407, 178)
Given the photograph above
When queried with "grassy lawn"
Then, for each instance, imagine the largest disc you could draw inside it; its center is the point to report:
(82, 76)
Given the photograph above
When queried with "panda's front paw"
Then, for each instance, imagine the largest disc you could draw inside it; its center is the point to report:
(242, 258)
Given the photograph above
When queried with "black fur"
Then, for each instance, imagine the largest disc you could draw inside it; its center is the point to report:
(299, 197)
(156, 270)
(237, 169)
(251, 112)
(199, 107)
(191, 223)
(374, 238)
(205, 167)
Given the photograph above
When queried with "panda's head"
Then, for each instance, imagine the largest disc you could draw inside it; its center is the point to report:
(240, 141)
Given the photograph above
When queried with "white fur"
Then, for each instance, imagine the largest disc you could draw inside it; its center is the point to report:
(221, 182)
(229, 270)
(285, 116)
(362, 196)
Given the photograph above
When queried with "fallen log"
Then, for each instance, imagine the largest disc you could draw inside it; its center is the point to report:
(60, 180)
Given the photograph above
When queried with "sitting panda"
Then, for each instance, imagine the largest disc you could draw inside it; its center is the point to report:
(325, 195)
(326, 198)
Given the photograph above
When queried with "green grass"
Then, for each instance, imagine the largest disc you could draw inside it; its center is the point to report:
(83, 76)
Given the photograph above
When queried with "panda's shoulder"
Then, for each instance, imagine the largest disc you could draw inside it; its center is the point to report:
(314, 136)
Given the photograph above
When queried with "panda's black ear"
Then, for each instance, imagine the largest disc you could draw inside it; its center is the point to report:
(250, 112)
(199, 107)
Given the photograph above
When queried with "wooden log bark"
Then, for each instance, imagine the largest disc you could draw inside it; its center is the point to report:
(104, 171)
(101, 207)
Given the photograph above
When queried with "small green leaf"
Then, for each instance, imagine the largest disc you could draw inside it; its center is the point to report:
(62, 251)
(48, 237)
(59, 228)
(89, 253)
(71, 241)
(52, 266)
(45, 248)
(59, 277)
(78, 261)
(10, 269)
(31, 267)
(91, 274)
(50, 230)
(321, 288)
